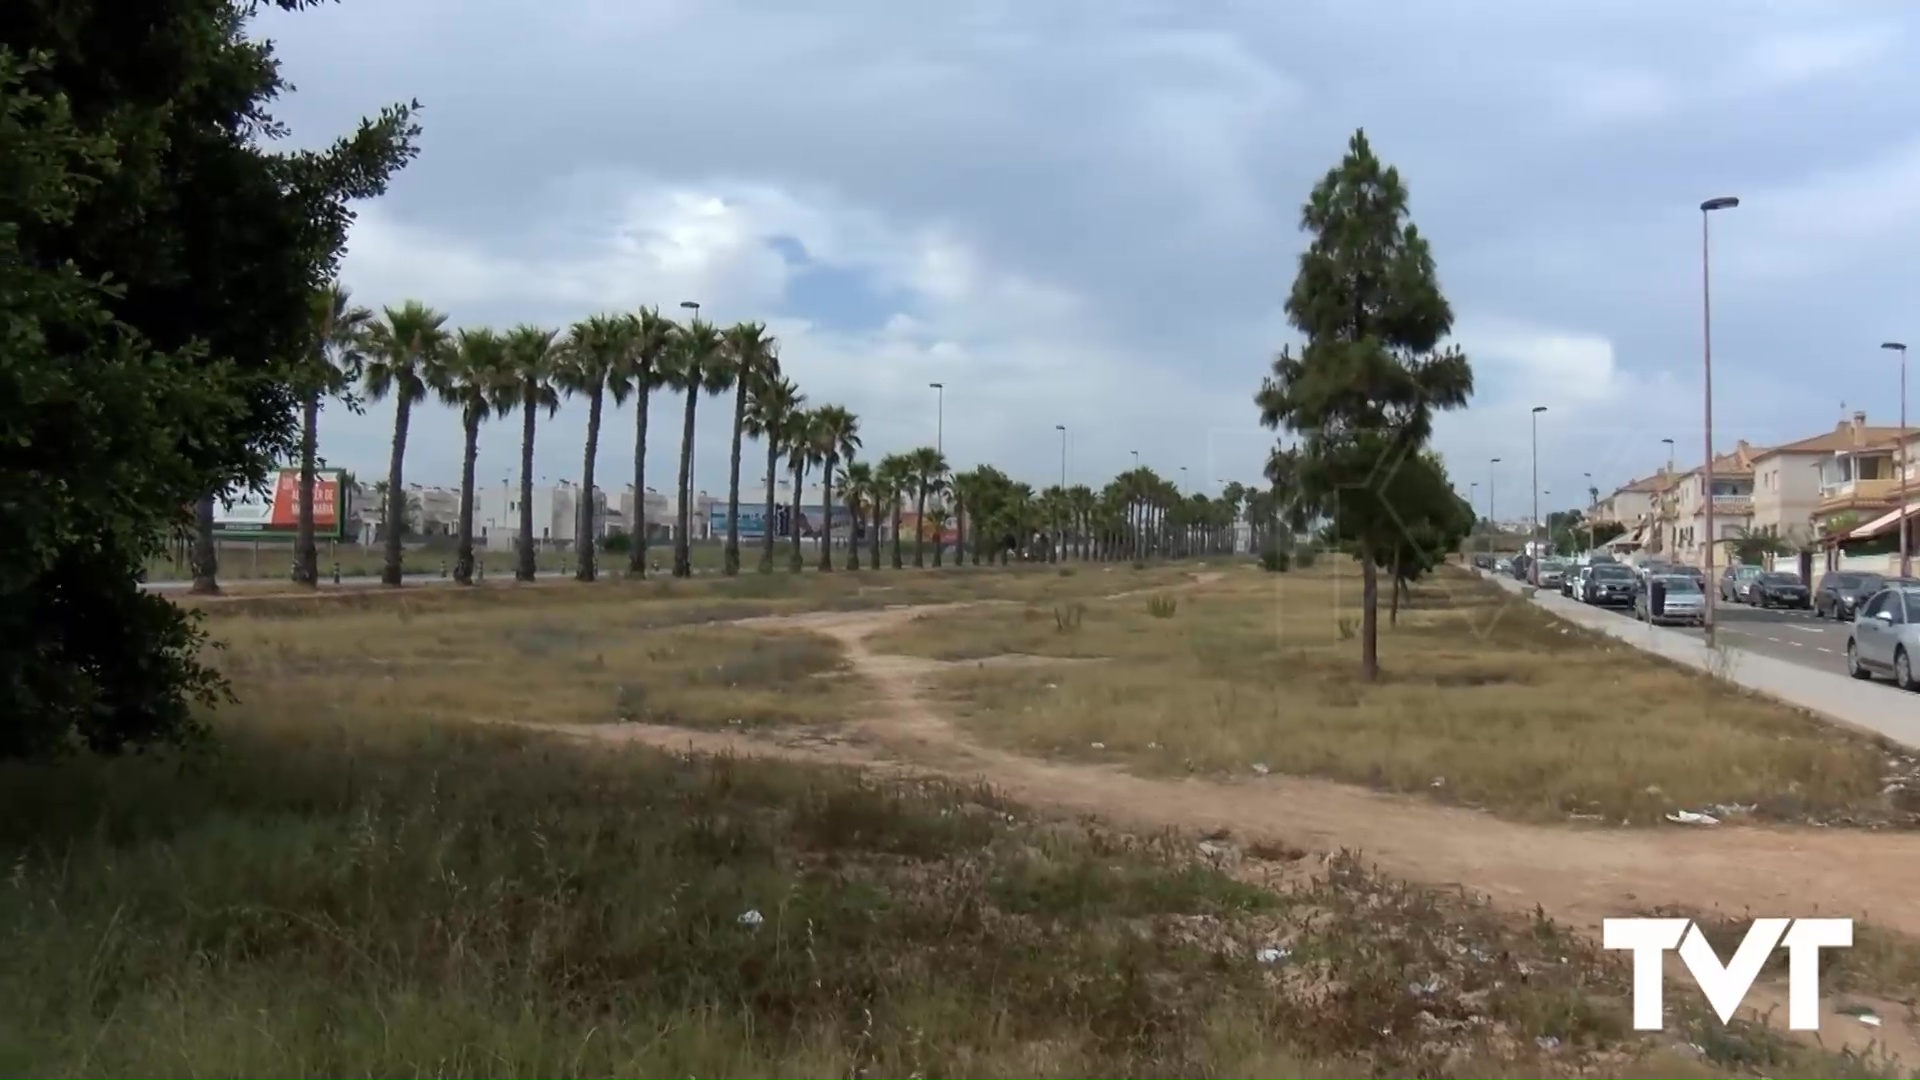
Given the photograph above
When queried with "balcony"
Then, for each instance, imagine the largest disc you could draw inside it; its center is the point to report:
(1857, 495)
(1733, 505)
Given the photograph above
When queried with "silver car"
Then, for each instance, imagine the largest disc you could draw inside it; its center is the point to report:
(1886, 636)
(1684, 604)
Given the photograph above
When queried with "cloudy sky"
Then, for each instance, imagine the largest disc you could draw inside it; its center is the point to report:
(1084, 212)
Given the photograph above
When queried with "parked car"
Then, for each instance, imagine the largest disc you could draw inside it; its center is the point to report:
(1482, 561)
(1776, 589)
(1885, 636)
(1736, 582)
(1552, 573)
(1608, 585)
(1685, 602)
(1842, 592)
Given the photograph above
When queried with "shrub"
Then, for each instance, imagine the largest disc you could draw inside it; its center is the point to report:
(1303, 558)
(1162, 607)
(1275, 561)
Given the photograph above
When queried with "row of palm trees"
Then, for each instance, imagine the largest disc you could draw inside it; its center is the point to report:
(407, 354)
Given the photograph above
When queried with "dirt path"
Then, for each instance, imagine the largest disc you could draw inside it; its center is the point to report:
(1580, 875)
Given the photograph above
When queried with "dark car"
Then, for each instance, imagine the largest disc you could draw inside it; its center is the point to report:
(1775, 589)
(1522, 564)
(1841, 593)
(1609, 585)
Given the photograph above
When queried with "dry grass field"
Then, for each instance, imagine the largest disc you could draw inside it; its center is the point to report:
(355, 879)
(1484, 702)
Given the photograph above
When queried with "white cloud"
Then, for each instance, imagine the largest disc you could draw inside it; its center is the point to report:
(1786, 60)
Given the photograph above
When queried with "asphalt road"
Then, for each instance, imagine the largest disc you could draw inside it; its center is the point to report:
(343, 583)
(1794, 636)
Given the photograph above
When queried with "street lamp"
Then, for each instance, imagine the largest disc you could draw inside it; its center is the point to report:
(1666, 500)
(1906, 559)
(1062, 429)
(1491, 526)
(1593, 504)
(1533, 564)
(1136, 458)
(939, 416)
(1724, 202)
(683, 525)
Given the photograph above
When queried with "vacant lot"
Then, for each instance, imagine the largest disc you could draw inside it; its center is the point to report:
(1483, 702)
(354, 881)
(388, 896)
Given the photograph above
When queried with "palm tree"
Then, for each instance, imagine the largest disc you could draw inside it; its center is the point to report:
(893, 477)
(474, 380)
(836, 435)
(755, 359)
(532, 356)
(406, 352)
(334, 366)
(653, 339)
(593, 366)
(798, 438)
(770, 405)
(856, 487)
(928, 470)
(879, 498)
(697, 366)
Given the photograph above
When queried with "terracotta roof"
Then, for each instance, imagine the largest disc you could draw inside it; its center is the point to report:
(1735, 462)
(1851, 434)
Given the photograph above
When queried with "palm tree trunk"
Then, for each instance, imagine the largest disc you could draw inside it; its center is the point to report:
(206, 553)
(794, 563)
(523, 565)
(396, 494)
(959, 532)
(826, 512)
(766, 521)
(896, 531)
(306, 553)
(682, 533)
(463, 554)
(731, 561)
(637, 550)
(854, 514)
(583, 538)
(873, 538)
(920, 525)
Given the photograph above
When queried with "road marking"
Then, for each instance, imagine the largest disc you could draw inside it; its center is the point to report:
(1823, 648)
(1804, 629)
(1798, 644)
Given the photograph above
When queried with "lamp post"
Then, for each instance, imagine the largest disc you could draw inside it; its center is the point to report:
(1666, 502)
(1473, 500)
(1533, 564)
(1906, 559)
(1062, 539)
(683, 526)
(939, 416)
(1491, 520)
(1593, 504)
(1723, 202)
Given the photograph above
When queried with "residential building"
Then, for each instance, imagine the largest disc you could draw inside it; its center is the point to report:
(1799, 486)
(654, 508)
(1732, 497)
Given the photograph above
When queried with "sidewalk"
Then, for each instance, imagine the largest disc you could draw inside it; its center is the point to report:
(1876, 707)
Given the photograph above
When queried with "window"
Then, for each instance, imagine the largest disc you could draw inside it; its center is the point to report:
(1896, 603)
(1879, 603)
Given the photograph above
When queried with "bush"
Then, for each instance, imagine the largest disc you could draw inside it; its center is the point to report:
(1162, 607)
(1303, 558)
(616, 543)
(1275, 561)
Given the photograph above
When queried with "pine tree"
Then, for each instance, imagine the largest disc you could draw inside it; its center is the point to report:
(1361, 392)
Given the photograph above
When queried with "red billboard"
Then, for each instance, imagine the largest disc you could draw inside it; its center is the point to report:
(276, 512)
